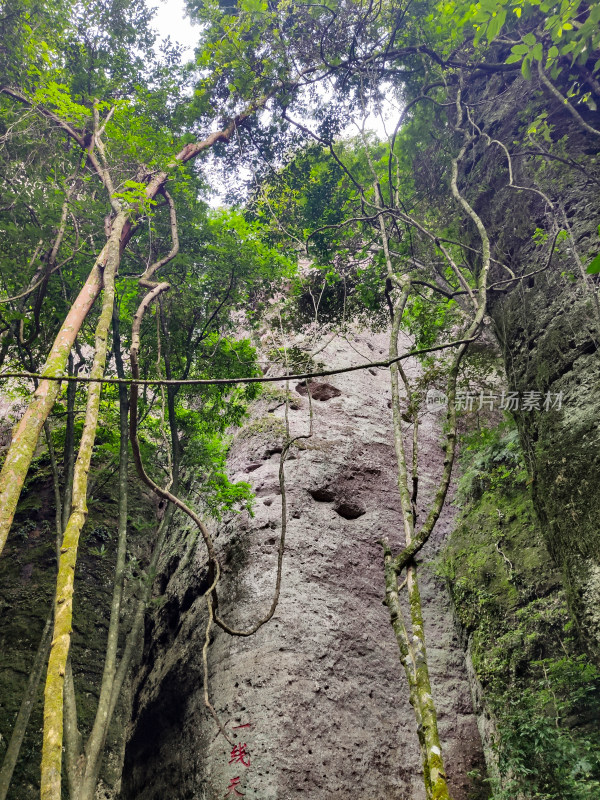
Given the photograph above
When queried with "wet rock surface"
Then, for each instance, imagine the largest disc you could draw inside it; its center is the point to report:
(316, 702)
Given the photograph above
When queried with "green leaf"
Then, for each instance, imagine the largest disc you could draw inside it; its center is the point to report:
(529, 39)
(594, 267)
(495, 25)
(492, 29)
(526, 68)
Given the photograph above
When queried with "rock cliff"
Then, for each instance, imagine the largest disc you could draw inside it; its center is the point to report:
(315, 702)
(548, 324)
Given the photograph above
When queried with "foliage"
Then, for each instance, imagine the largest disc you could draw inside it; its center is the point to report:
(538, 752)
(428, 320)
(490, 459)
(594, 266)
(207, 456)
(549, 33)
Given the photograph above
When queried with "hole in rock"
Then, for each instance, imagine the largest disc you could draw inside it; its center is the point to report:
(318, 391)
(196, 588)
(323, 494)
(349, 509)
(171, 613)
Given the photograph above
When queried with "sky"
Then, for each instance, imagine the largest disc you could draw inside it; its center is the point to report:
(170, 20)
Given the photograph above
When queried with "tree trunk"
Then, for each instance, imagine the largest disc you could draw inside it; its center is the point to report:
(413, 652)
(94, 749)
(53, 706)
(25, 437)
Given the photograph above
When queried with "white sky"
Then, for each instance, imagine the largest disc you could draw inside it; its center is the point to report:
(170, 20)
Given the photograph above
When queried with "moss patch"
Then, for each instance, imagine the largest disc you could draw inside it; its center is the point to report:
(267, 426)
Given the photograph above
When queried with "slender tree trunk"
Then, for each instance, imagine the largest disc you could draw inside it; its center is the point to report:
(54, 693)
(413, 652)
(69, 449)
(26, 435)
(137, 627)
(73, 738)
(132, 646)
(430, 738)
(95, 745)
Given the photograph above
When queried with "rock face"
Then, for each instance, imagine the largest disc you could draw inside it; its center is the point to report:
(548, 325)
(316, 702)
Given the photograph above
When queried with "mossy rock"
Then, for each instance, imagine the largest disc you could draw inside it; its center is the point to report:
(266, 426)
(537, 684)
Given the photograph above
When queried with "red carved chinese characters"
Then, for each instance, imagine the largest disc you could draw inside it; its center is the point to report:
(232, 788)
(240, 754)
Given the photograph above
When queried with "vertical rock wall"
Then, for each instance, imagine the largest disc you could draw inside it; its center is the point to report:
(319, 690)
(548, 325)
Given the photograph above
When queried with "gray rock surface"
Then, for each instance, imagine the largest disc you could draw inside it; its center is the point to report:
(548, 324)
(320, 688)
